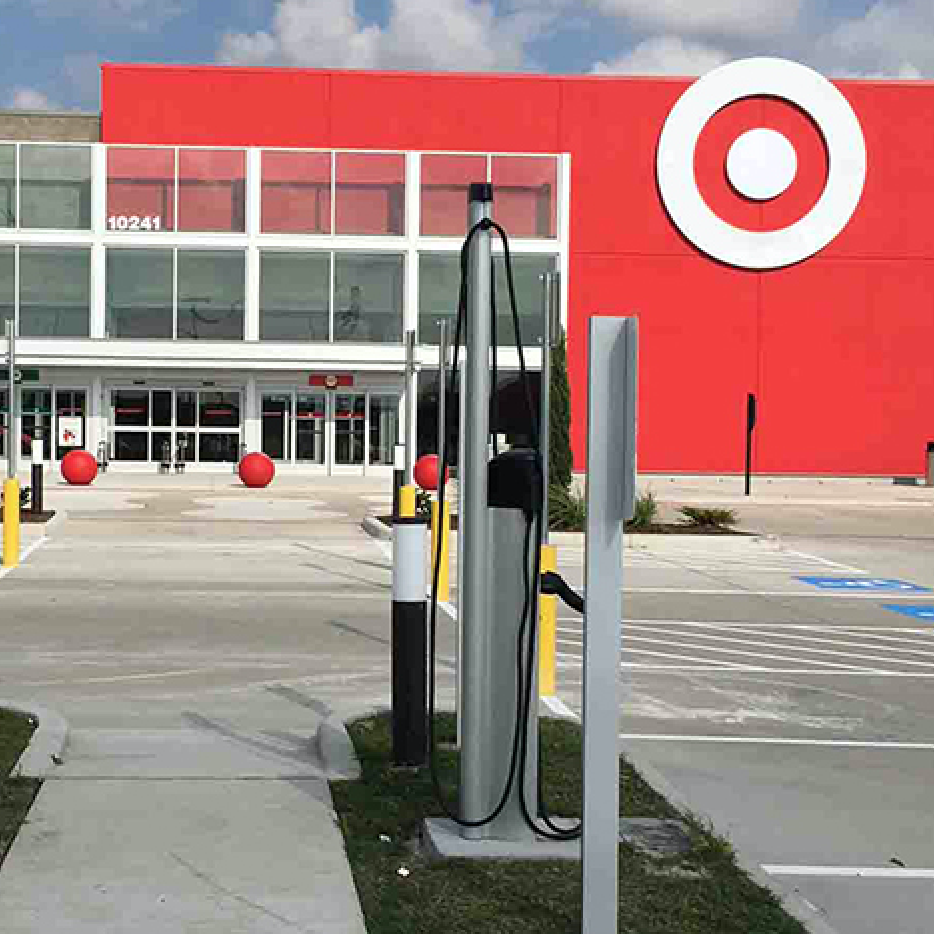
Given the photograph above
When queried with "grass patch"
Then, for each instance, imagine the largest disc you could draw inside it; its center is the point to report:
(697, 892)
(16, 794)
(708, 517)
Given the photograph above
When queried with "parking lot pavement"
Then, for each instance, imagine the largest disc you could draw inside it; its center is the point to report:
(786, 693)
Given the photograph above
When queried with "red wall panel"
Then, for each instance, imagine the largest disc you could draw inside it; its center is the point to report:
(214, 106)
(838, 347)
(697, 354)
(847, 380)
(480, 113)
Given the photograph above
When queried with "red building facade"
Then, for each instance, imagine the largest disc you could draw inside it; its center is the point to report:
(837, 347)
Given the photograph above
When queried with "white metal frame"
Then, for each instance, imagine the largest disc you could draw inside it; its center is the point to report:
(259, 360)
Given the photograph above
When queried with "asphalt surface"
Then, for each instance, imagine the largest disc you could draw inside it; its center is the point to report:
(197, 635)
(800, 720)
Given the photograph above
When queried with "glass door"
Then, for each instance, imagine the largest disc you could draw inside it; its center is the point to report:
(277, 425)
(310, 424)
(36, 409)
(349, 425)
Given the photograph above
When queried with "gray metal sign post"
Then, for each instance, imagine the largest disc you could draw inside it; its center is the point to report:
(611, 475)
(13, 408)
(410, 391)
(550, 335)
(442, 413)
(472, 475)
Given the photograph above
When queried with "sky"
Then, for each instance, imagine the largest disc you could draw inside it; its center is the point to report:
(53, 48)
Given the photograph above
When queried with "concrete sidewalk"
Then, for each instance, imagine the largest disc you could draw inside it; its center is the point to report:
(210, 829)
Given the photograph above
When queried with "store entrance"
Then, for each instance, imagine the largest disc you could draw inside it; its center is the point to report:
(339, 432)
(181, 425)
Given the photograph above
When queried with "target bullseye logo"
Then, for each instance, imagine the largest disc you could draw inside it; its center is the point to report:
(762, 164)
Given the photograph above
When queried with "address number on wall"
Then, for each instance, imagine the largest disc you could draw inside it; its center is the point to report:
(134, 222)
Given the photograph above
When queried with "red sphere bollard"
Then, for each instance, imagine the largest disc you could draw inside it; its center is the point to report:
(256, 470)
(426, 472)
(79, 468)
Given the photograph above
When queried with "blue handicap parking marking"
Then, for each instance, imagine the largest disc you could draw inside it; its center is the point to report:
(884, 584)
(919, 611)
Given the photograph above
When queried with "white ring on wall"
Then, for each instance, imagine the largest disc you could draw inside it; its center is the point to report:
(846, 151)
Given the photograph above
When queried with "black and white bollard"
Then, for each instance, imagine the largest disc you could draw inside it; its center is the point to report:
(38, 459)
(409, 641)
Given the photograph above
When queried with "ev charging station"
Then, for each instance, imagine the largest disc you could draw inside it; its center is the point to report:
(501, 511)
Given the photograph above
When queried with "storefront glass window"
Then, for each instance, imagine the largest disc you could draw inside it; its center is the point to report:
(139, 293)
(525, 193)
(162, 407)
(210, 294)
(212, 190)
(54, 292)
(370, 194)
(7, 186)
(55, 187)
(131, 407)
(140, 189)
(368, 297)
(294, 296)
(384, 428)
(445, 184)
(219, 409)
(439, 277)
(186, 408)
(296, 192)
(217, 447)
(130, 446)
(439, 288)
(7, 287)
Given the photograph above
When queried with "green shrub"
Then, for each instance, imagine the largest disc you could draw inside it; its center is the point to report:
(645, 512)
(567, 510)
(708, 516)
(423, 504)
(25, 495)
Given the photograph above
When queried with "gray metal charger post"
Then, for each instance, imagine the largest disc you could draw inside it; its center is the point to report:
(473, 527)
(611, 476)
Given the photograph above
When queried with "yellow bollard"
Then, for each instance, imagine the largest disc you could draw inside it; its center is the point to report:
(444, 577)
(548, 629)
(407, 502)
(10, 523)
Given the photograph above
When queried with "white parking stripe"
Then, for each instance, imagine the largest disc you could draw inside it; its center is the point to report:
(773, 741)
(715, 662)
(792, 648)
(628, 638)
(849, 872)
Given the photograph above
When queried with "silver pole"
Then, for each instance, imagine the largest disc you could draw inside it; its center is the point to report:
(12, 433)
(442, 427)
(473, 533)
(611, 438)
(549, 337)
(409, 406)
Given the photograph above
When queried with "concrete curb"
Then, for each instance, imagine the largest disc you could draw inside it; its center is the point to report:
(335, 750)
(796, 906)
(47, 743)
(373, 527)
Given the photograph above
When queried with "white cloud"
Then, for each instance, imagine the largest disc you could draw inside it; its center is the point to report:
(664, 55)
(891, 40)
(733, 18)
(467, 35)
(28, 99)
